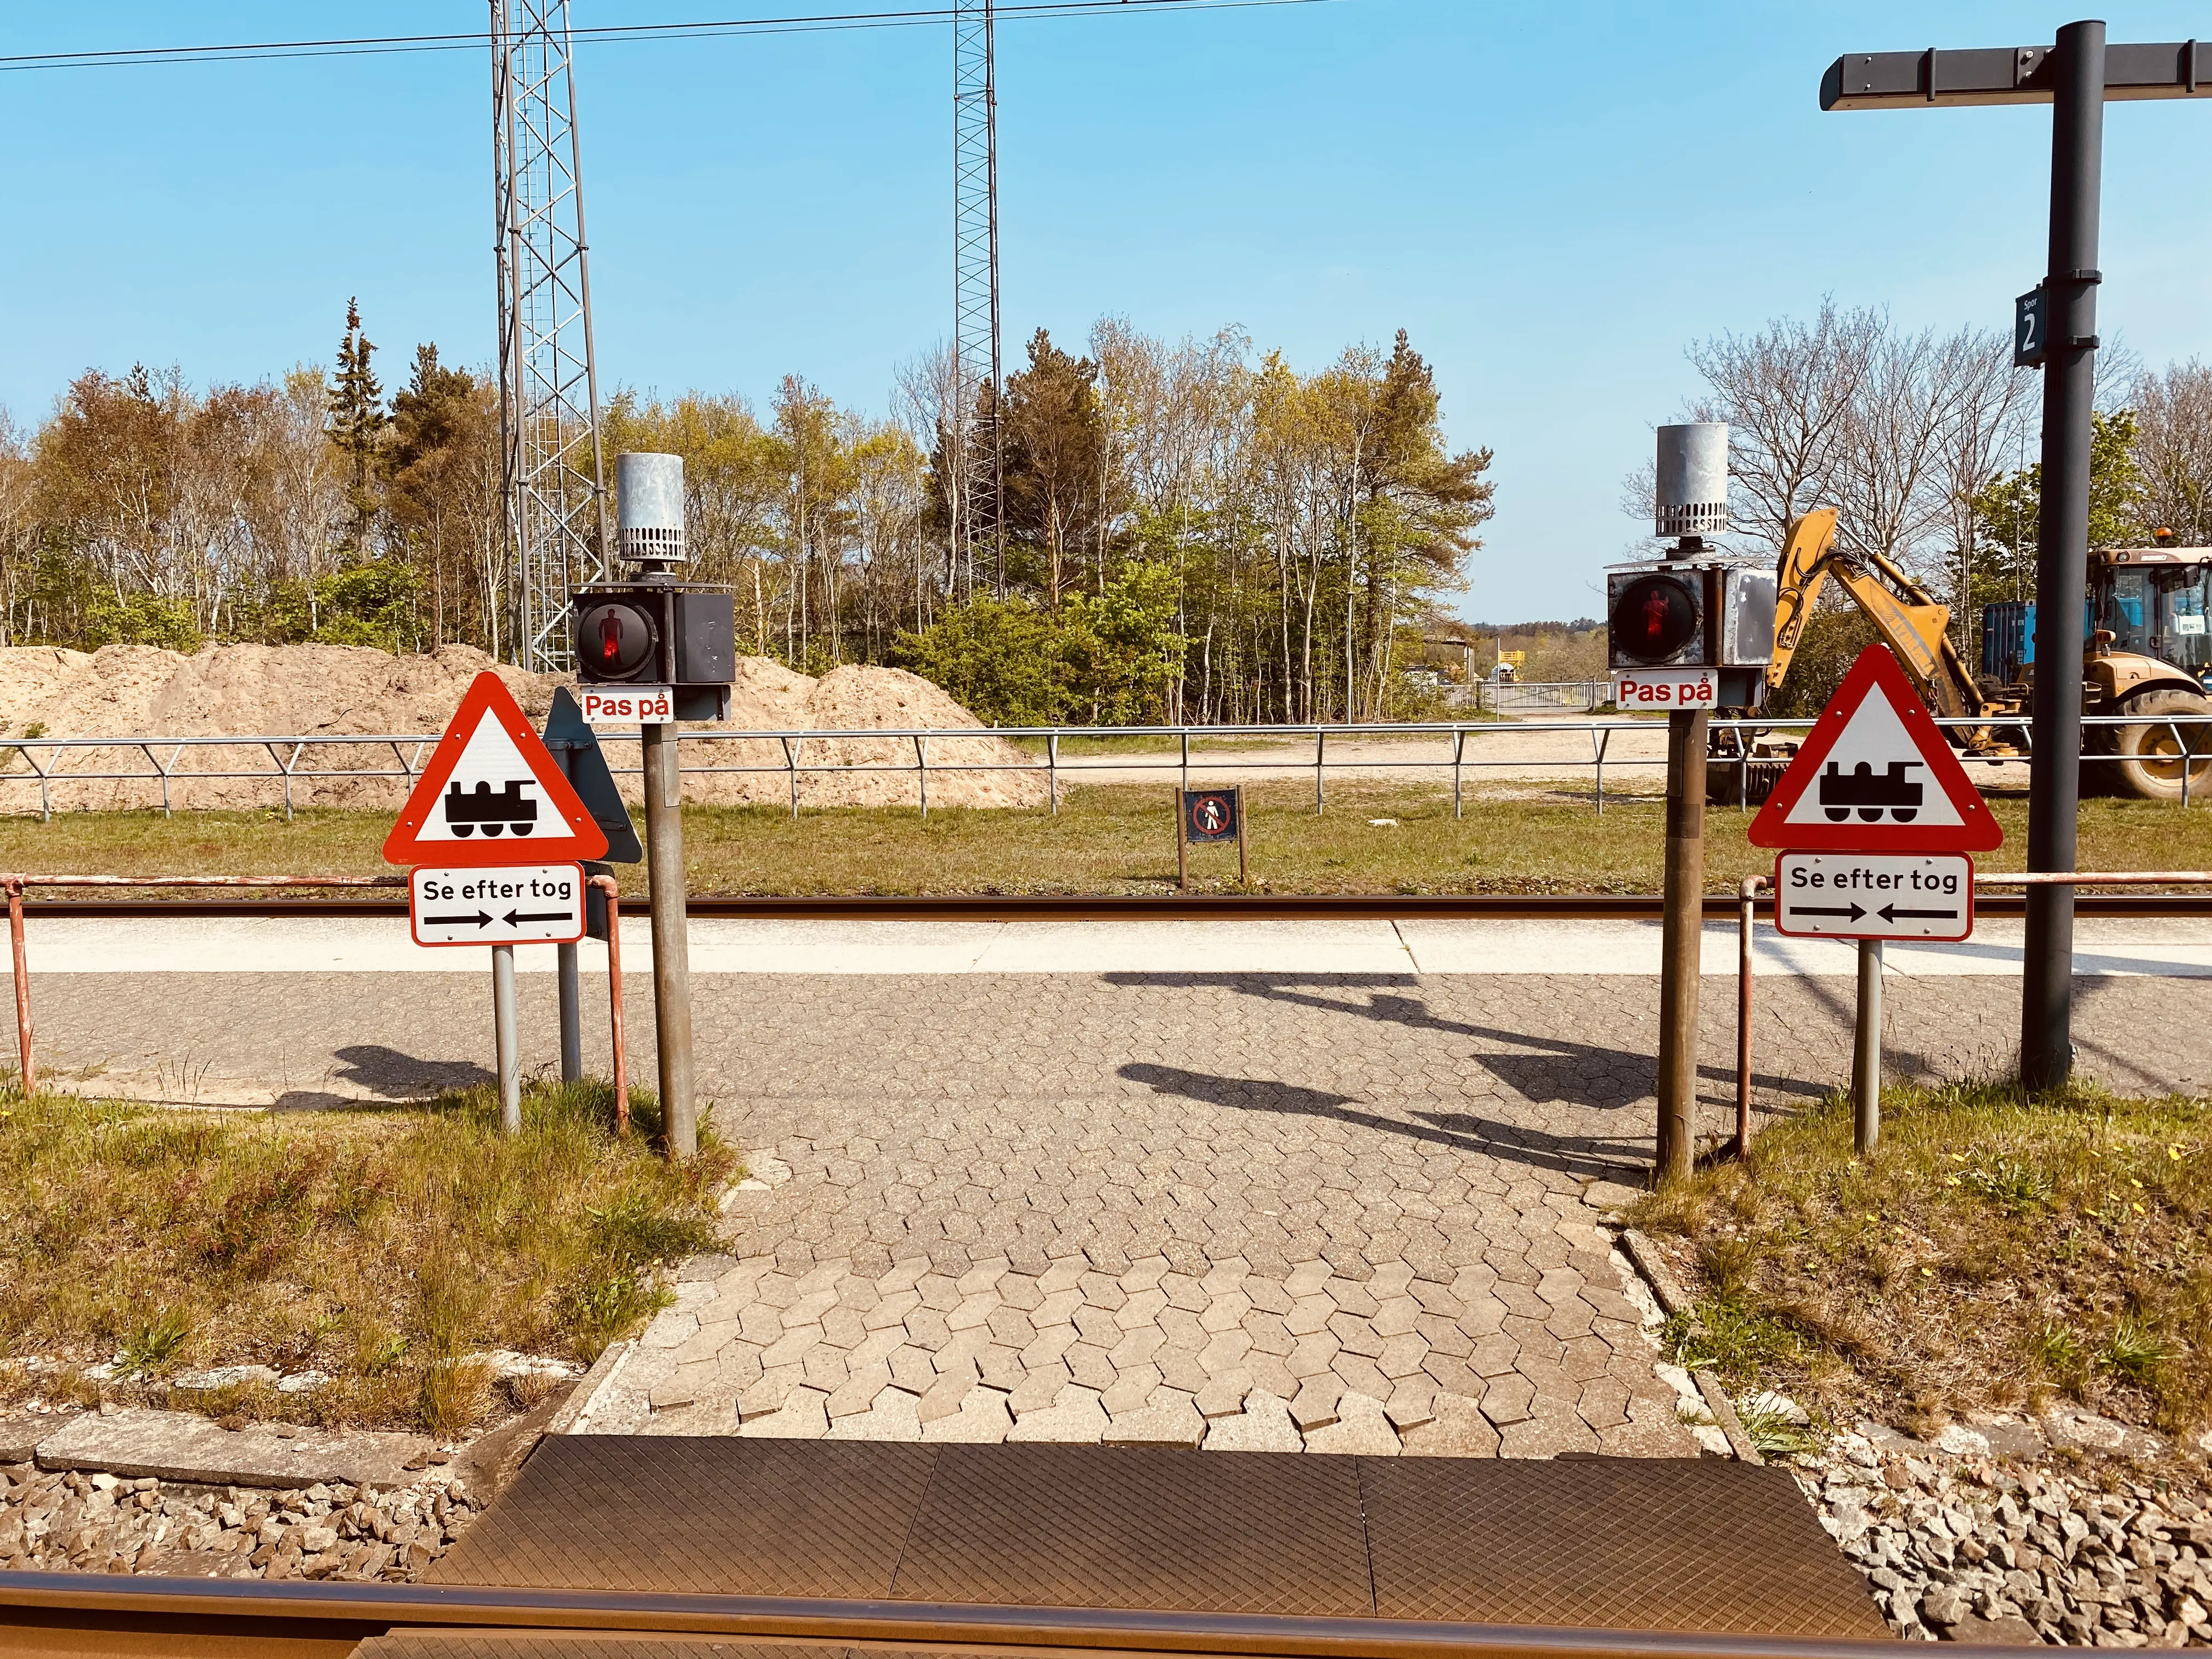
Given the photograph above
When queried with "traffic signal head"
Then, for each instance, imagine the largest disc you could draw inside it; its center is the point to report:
(655, 633)
(1684, 613)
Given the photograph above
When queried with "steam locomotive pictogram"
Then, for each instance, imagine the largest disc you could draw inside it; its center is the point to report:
(1870, 793)
(465, 814)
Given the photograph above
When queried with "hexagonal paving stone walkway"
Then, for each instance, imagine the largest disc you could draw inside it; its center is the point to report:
(1231, 1212)
(1327, 1212)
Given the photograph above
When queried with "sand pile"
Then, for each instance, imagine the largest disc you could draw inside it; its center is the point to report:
(142, 694)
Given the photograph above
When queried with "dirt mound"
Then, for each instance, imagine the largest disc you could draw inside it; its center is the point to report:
(141, 694)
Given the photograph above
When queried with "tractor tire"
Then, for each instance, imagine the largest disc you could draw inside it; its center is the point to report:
(2149, 764)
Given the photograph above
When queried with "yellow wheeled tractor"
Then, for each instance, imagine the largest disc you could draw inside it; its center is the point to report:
(2147, 654)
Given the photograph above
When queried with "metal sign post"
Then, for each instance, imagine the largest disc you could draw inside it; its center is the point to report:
(2075, 76)
(1876, 815)
(653, 652)
(1688, 633)
(507, 1039)
(672, 945)
(491, 791)
(575, 746)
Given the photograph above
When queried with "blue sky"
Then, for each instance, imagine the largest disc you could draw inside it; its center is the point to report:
(1553, 199)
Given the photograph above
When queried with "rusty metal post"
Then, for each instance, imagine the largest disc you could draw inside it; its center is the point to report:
(1681, 943)
(606, 884)
(21, 957)
(1746, 897)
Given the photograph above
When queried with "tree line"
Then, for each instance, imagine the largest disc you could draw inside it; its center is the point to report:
(1190, 531)
(1923, 440)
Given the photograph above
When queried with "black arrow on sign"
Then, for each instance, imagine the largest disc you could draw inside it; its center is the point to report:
(479, 920)
(1851, 913)
(1891, 913)
(515, 918)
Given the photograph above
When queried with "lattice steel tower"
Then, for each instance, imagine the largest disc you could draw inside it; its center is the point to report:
(548, 392)
(977, 459)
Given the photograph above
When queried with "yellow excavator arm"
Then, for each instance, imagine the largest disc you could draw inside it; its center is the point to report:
(1909, 620)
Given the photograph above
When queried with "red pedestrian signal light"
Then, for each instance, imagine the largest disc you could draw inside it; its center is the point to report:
(1655, 618)
(615, 641)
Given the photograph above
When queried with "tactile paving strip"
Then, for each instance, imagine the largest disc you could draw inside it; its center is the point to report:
(1180, 1531)
(1612, 1543)
(712, 1516)
(1609, 1543)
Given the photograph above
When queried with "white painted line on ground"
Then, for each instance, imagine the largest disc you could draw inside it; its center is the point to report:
(213, 945)
(1197, 947)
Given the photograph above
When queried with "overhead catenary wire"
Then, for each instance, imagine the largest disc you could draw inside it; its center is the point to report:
(611, 33)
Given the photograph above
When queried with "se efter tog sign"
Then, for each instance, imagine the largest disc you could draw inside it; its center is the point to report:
(506, 905)
(1875, 816)
(1874, 895)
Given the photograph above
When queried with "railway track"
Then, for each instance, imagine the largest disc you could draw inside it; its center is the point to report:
(89, 1617)
(1194, 907)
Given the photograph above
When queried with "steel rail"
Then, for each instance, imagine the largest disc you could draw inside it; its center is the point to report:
(82, 1604)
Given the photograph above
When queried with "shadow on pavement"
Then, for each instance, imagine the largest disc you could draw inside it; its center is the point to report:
(1461, 1131)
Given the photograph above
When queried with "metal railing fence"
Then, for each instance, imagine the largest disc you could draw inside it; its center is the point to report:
(1531, 696)
(293, 759)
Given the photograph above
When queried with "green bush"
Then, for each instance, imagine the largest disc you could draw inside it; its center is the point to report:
(372, 604)
(141, 619)
(1104, 658)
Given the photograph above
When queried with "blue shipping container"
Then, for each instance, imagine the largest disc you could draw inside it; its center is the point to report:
(2008, 640)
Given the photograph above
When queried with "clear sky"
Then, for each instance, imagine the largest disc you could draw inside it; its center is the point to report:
(1553, 199)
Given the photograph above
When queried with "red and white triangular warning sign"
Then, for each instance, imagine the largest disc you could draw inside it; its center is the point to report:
(492, 794)
(1875, 775)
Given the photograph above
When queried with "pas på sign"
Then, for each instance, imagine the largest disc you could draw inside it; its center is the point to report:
(1666, 688)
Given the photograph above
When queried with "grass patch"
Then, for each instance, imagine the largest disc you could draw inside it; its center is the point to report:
(382, 1248)
(1997, 1251)
(1107, 839)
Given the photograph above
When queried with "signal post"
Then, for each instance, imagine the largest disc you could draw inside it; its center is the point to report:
(1688, 633)
(650, 653)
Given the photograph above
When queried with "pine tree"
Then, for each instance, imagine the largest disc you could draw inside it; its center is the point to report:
(357, 424)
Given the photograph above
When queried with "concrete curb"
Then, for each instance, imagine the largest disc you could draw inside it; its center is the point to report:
(1724, 1410)
(578, 1405)
(1672, 1298)
(139, 1441)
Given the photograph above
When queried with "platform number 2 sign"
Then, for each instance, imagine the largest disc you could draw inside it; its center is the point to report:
(2030, 330)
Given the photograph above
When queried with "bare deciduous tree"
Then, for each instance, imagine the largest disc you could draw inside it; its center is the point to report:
(2174, 448)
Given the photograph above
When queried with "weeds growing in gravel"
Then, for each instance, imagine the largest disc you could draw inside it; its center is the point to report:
(1998, 1249)
(380, 1247)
